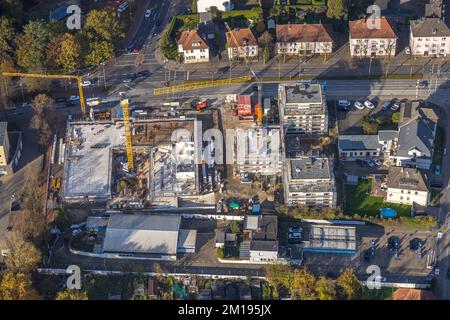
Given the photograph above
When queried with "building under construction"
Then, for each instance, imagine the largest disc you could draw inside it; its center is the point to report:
(165, 155)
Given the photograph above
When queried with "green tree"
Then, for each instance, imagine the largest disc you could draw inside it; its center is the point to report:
(395, 117)
(44, 107)
(70, 52)
(31, 45)
(279, 274)
(348, 285)
(103, 25)
(235, 227)
(17, 286)
(12, 9)
(303, 285)
(336, 9)
(219, 253)
(6, 35)
(368, 126)
(266, 41)
(194, 7)
(6, 83)
(72, 295)
(325, 289)
(99, 52)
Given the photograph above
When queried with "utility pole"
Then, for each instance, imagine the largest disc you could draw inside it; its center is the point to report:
(104, 74)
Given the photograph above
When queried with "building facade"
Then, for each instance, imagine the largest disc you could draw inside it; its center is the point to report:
(352, 147)
(303, 108)
(407, 186)
(310, 181)
(372, 38)
(192, 48)
(4, 144)
(303, 39)
(241, 43)
(429, 37)
(222, 5)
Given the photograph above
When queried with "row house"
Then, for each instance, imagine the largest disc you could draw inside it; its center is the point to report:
(192, 47)
(429, 37)
(372, 38)
(303, 39)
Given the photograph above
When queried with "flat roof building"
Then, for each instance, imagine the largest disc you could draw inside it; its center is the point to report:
(303, 108)
(322, 238)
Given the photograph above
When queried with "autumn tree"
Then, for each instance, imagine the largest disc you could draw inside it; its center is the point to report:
(17, 286)
(395, 117)
(279, 274)
(348, 285)
(336, 9)
(99, 51)
(325, 289)
(69, 53)
(266, 41)
(303, 285)
(103, 24)
(6, 35)
(72, 295)
(22, 255)
(6, 83)
(43, 107)
(31, 45)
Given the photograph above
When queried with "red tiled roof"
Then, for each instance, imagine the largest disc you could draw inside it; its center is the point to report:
(412, 294)
(359, 30)
(188, 37)
(244, 37)
(303, 33)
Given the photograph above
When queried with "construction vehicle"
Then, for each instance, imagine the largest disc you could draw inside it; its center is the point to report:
(53, 76)
(126, 121)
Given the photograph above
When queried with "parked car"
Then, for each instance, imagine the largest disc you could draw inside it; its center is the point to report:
(60, 100)
(148, 13)
(344, 103)
(395, 107)
(26, 105)
(143, 73)
(74, 98)
(377, 162)
(370, 163)
(423, 84)
(386, 106)
(437, 170)
(407, 50)
(86, 83)
(369, 104)
(362, 163)
(70, 103)
(76, 232)
(359, 105)
(127, 80)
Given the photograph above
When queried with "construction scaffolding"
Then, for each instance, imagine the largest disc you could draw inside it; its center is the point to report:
(199, 85)
(126, 120)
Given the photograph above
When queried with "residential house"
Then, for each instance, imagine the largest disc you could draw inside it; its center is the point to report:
(372, 38)
(407, 186)
(303, 108)
(260, 243)
(310, 181)
(417, 130)
(192, 47)
(434, 9)
(429, 37)
(222, 5)
(388, 141)
(241, 43)
(352, 147)
(412, 294)
(303, 39)
(4, 144)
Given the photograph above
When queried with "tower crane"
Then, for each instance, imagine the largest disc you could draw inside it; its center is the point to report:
(124, 102)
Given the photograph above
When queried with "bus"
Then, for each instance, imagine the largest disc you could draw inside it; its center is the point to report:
(92, 102)
(122, 7)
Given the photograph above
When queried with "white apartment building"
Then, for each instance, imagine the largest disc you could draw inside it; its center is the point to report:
(241, 43)
(429, 37)
(372, 38)
(303, 108)
(222, 5)
(192, 47)
(310, 181)
(303, 39)
(407, 186)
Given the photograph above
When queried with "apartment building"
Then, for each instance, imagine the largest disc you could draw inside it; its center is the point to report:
(303, 39)
(192, 47)
(303, 108)
(429, 37)
(241, 43)
(358, 146)
(310, 181)
(407, 186)
(372, 38)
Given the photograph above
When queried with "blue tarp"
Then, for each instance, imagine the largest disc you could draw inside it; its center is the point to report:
(119, 112)
(256, 208)
(388, 213)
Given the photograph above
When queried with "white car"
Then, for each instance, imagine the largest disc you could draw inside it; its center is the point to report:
(76, 232)
(86, 83)
(344, 103)
(407, 50)
(148, 13)
(395, 107)
(74, 98)
(359, 105)
(377, 162)
(369, 104)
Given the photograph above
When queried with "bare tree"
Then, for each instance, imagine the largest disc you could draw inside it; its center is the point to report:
(22, 255)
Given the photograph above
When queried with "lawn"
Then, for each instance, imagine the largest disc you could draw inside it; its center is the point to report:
(358, 201)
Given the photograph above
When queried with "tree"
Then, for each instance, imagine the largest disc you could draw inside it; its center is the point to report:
(6, 35)
(103, 25)
(395, 117)
(266, 40)
(381, 120)
(336, 9)
(6, 83)
(12, 9)
(72, 295)
(70, 52)
(234, 227)
(369, 127)
(16, 286)
(99, 52)
(279, 274)
(325, 289)
(43, 107)
(194, 7)
(303, 285)
(348, 285)
(22, 255)
(219, 253)
(31, 45)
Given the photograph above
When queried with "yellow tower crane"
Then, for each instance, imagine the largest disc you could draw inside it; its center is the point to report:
(53, 76)
(126, 121)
